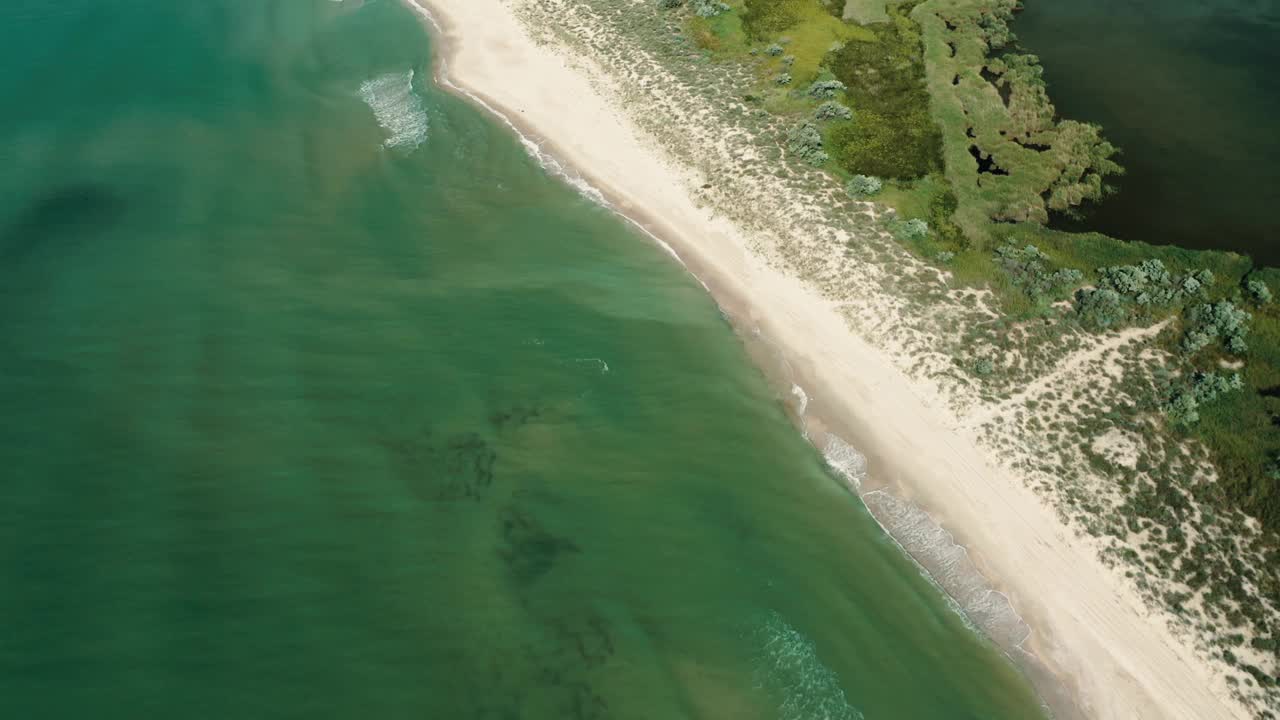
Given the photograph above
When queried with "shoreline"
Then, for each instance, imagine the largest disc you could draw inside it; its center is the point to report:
(1090, 648)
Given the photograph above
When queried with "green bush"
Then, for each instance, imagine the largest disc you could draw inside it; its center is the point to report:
(832, 110)
(1183, 405)
(913, 230)
(708, 8)
(826, 89)
(863, 186)
(1033, 272)
(805, 142)
(1101, 308)
(1221, 320)
(1258, 291)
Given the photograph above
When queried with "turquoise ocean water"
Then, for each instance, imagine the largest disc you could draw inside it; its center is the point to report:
(322, 399)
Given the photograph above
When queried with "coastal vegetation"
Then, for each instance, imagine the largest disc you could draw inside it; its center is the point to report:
(922, 123)
(941, 104)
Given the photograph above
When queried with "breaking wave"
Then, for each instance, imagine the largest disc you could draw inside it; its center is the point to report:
(846, 461)
(802, 399)
(788, 666)
(940, 558)
(398, 109)
(948, 564)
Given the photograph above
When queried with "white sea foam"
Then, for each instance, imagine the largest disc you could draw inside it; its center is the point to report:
(542, 157)
(398, 108)
(788, 665)
(846, 461)
(940, 558)
(947, 564)
(802, 398)
(604, 366)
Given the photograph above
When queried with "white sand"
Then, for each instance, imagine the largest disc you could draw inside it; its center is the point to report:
(1117, 657)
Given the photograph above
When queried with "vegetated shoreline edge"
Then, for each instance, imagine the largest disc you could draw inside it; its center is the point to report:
(771, 360)
(828, 414)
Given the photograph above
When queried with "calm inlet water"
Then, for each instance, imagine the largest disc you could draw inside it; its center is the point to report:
(321, 399)
(1189, 90)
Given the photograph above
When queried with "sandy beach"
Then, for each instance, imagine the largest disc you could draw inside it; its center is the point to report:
(1095, 648)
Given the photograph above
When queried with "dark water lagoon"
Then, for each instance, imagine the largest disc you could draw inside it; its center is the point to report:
(323, 399)
(1190, 92)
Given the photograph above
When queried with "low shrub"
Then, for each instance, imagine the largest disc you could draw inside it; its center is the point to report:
(1258, 291)
(1183, 405)
(832, 110)
(805, 142)
(863, 186)
(826, 89)
(708, 8)
(1222, 320)
(913, 230)
(1101, 308)
(1033, 272)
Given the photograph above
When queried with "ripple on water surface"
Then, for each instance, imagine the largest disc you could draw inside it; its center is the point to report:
(789, 667)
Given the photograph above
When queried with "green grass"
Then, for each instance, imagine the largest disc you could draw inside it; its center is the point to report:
(892, 134)
(721, 34)
(1240, 429)
(808, 29)
(900, 77)
(912, 199)
(866, 12)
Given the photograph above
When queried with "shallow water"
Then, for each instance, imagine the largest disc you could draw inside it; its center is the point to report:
(322, 398)
(1188, 90)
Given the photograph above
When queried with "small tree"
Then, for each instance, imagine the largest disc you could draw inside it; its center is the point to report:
(773, 50)
(782, 78)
